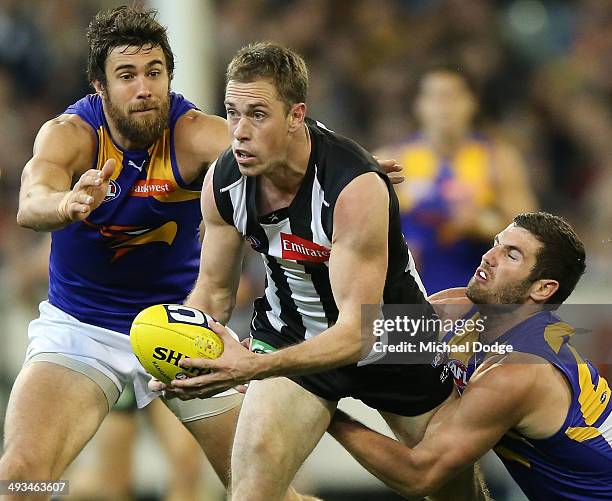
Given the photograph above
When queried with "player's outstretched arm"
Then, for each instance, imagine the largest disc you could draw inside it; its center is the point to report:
(63, 151)
(460, 432)
(220, 261)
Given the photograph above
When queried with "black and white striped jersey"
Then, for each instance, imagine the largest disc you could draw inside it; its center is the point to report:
(295, 241)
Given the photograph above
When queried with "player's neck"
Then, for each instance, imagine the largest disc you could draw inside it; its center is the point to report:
(499, 319)
(288, 175)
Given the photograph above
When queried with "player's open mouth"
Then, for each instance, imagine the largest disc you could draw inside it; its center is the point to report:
(481, 275)
(243, 156)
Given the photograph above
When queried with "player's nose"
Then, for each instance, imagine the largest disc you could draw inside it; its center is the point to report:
(143, 91)
(242, 130)
(490, 257)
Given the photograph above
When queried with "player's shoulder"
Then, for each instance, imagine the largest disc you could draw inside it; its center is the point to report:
(69, 123)
(197, 118)
(341, 162)
(194, 125)
(532, 388)
(69, 130)
(337, 148)
(515, 372)
(199, 138)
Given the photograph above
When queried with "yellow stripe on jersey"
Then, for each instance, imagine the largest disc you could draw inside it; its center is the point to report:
(593, 398)
(106, 151)
(165, 233)
(554, 334)
(582, 433)
(160, 183)
(160, 167)
(509, 455)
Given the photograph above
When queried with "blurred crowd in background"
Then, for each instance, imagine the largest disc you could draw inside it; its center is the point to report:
(541, 71)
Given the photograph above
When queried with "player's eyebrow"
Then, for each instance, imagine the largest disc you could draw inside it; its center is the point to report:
(259, 104)
(508, 246)
(515, 248)
(129, 66)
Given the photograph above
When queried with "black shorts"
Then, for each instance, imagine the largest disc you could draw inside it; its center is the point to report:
(407, 390)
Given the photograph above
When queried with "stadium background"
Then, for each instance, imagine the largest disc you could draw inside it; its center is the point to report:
(543, 69)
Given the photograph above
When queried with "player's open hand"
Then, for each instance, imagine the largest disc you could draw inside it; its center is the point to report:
(392, 169)
(234, 368)
(87, 194)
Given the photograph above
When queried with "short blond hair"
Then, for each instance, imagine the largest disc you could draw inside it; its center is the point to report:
(283, 66)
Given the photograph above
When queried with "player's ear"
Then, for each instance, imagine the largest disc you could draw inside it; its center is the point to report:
(99, 87)
(542, 290)
(297, 115)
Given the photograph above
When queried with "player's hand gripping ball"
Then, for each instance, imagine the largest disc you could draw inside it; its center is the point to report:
(164, 334)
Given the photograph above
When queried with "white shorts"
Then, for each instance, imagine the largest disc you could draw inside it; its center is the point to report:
(106, 357)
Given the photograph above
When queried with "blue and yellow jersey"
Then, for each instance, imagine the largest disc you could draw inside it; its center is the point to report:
(576, 462)
(141, 245)
(445, 259)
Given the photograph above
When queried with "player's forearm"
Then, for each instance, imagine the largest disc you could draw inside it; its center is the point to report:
(335, 347)
(42, 209)
(387, 459)
(219, 304)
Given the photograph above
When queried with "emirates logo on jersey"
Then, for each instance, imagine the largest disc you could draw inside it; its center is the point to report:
(300, 249)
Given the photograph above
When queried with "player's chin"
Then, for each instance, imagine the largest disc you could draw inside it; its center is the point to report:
(251, 169)
(477, 294)
(482, 299)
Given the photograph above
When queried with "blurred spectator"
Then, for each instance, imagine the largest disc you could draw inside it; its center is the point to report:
(461, 186)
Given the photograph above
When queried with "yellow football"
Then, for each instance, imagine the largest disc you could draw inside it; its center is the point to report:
(164, 334)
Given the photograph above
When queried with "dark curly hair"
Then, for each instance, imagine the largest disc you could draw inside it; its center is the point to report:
(124, 25)
(561, 257)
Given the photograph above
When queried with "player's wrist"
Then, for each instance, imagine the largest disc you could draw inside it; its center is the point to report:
(264, 365)
(62, 209)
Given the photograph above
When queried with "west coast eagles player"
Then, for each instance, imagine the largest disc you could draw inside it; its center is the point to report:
(544, 409)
